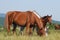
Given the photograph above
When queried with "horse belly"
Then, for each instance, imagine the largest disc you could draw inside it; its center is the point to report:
(22, 22)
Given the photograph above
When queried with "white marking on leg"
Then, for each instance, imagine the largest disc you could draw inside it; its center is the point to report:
(46, 34)
(46, 31)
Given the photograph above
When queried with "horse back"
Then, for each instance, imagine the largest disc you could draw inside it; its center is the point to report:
(22, 18)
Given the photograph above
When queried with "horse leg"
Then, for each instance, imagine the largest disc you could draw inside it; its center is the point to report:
(33, 29)
(34, 26)
(14, 28)
(8, 28)
(46, 30)
(27, 27)
(21, 29)
(30, 30)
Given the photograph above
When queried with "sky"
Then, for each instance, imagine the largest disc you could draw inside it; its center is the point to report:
(43, 7)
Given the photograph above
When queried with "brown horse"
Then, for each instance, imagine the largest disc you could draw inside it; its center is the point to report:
(45, 19)
(57, 27)
(27, 19)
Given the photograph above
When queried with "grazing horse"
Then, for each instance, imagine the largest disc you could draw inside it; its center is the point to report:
(26, 18)
(45, 19)
(57, 27)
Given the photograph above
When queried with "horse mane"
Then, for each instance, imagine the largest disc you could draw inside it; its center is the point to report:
(36, 13)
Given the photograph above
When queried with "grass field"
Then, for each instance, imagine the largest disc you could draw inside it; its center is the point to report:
(53, 35)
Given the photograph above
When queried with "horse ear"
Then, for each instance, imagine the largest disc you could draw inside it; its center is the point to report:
(47, 15)
(51, 15)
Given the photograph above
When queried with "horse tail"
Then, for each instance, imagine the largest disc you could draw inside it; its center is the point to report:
(6, 21)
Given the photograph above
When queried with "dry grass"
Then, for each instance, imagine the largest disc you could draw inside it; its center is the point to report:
(53, 35)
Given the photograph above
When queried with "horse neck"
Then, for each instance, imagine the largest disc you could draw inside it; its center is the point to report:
(38, 22)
